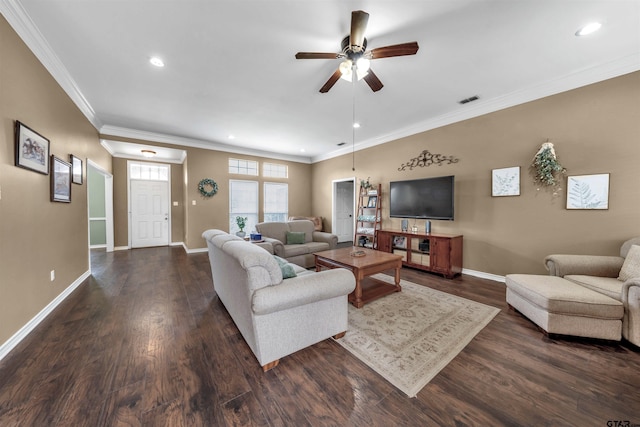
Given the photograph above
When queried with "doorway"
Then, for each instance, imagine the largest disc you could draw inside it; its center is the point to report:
(343, 208)
(149, 210)
(100, 206)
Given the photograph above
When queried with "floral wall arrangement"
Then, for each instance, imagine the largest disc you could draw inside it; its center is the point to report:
(547, 170)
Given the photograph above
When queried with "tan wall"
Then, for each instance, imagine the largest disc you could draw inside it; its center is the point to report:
(595, 129)
(213, 212)
(36, 235)
(189, 221)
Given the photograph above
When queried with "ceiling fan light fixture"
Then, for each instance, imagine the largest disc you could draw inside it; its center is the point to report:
(363, 65)
(346, 69)
(148, 153)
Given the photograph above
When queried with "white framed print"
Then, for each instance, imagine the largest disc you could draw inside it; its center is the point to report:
(505, 182)
(588, 191)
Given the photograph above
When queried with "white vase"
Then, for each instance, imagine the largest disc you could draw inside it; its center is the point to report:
(241, 234)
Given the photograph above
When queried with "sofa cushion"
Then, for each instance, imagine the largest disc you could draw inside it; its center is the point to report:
(631, 266)
(303, 226)
(557, 295)
(609, 286)
(274, 230)
(295, 237)
(317, 247)
(295, 250)
(288, 271)
(262, 270)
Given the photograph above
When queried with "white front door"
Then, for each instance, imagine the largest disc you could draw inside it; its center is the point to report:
(343, 214)
(149, 213)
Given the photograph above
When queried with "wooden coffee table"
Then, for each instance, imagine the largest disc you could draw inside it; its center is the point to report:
(372, 262)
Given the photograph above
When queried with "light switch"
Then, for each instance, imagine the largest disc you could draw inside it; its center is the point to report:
(193, 202)
(175, 203)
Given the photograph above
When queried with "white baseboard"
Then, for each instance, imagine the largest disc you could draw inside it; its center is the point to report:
(97, 246)
(7, 346)
(483, 275)
(194, 251)
(121, 248)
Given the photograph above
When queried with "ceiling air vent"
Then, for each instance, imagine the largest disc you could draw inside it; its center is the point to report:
(470, 99)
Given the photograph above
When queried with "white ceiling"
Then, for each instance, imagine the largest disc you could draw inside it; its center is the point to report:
(230, 66)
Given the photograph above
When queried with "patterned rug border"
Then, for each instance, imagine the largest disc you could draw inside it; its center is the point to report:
(386, 372)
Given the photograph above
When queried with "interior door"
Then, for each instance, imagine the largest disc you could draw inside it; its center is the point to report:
(149, 213)
(344, 198)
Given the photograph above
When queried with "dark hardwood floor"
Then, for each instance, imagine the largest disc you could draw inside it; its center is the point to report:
(145, 341)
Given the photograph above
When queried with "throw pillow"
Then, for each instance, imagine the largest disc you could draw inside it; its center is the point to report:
(631, 266)
(286, 268)
(295, 237)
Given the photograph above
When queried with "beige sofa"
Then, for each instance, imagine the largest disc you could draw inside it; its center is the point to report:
(613, 276)
(281, 236)
(276, 316)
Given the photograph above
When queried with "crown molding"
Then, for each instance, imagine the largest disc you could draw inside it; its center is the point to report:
(622, 66)
(22, 24)
(108, 131)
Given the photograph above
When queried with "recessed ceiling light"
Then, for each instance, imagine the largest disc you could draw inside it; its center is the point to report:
(302, 150)
(356, 125)
(231, 137)
(156, 61)
(588, 29)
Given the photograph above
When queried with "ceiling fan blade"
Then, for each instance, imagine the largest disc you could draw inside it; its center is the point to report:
(359, 20)
(396, 50)
(373, 81)
(317, 55)
(332, 80)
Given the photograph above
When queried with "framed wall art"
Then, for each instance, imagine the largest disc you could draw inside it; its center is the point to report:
(31, 149)
(60, 180)
(505, 182)
(588, 191)
(76, 167)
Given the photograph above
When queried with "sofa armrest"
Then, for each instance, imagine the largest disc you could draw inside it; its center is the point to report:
(276, 245)
(631, 301)
(303, 290)
(323, 236)
(587, 265)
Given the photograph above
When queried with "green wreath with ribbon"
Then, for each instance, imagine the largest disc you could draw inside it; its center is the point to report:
(207, 182)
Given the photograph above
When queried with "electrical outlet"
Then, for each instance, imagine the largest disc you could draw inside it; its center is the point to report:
(53, 275)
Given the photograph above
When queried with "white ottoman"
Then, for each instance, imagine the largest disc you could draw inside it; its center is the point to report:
(562, 307)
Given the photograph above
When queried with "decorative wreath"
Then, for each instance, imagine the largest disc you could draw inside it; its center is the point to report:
(207, 182)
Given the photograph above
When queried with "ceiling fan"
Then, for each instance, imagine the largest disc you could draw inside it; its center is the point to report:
(356, 57)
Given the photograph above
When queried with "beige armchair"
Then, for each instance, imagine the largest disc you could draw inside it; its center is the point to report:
(614, 276)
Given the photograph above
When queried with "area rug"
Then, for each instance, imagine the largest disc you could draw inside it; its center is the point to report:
(409, 336)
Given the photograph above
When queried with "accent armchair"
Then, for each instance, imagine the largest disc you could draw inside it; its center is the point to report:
(615, 276)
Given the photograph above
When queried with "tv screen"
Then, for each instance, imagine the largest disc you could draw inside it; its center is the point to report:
(427, 198)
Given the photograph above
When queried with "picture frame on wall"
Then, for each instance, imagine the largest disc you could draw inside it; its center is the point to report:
(31, 149)
(505, 182)
(60, 180)
(588, 191)
(76, 167)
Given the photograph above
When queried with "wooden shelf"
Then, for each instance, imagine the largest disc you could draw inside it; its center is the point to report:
(368, 217)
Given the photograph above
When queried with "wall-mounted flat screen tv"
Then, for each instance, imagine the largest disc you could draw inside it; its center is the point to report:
(426, 198)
